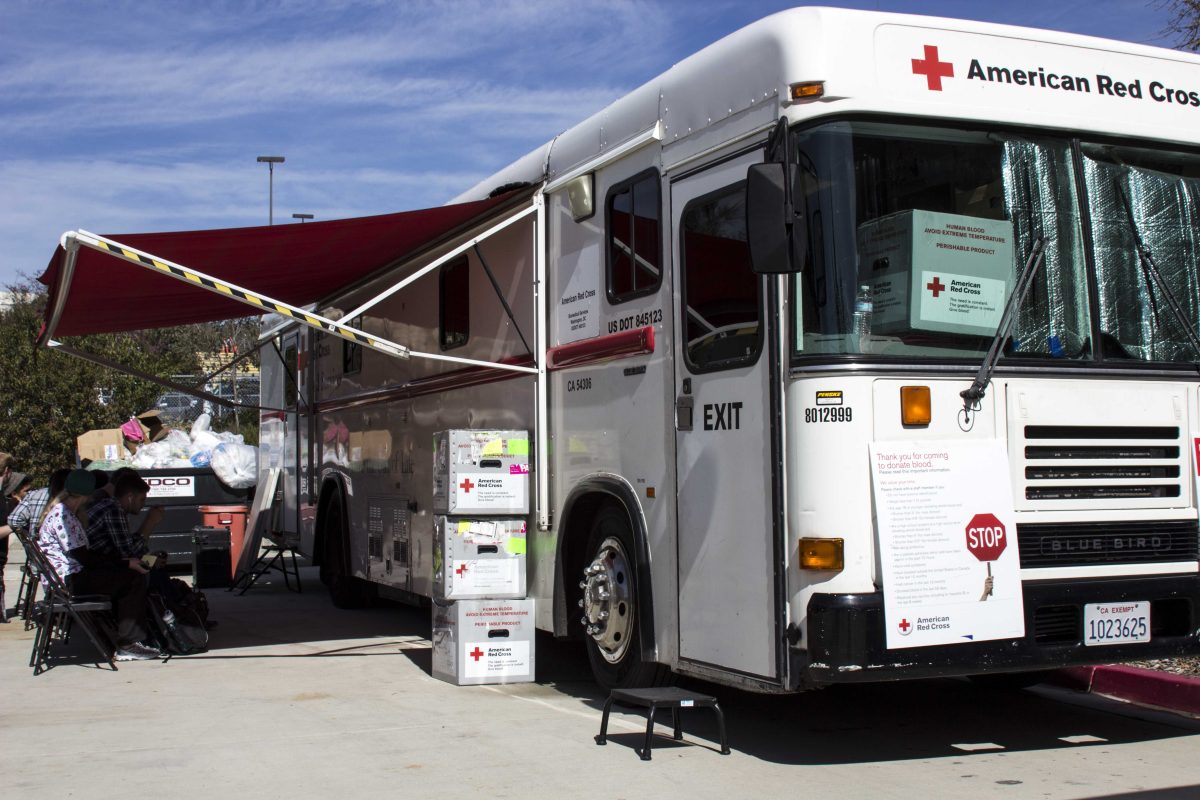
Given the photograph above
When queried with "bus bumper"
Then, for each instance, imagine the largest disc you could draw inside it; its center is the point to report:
(847, 642)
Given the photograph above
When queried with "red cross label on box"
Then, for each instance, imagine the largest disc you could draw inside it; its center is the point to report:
(476, 653)
(932, 68)
(461, 570)
(905, 626)
(466, 485)
(936, 286)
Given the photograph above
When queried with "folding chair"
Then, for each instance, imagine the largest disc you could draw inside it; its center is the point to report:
(62, 611)
(27, 591)
(274, 555)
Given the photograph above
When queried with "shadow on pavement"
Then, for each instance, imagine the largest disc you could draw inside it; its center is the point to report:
(851, 724)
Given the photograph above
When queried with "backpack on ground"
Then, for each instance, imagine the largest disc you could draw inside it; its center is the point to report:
(182, 594)
(176, 628)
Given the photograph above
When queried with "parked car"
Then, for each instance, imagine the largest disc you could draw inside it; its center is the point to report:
(178, 406)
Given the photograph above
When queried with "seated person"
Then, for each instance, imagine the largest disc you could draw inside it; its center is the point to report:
(30, 509)
(108, 534)
(14, 488)
(64, 541)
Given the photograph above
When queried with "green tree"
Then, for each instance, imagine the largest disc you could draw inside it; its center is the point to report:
(1183, 28)
(49, 397)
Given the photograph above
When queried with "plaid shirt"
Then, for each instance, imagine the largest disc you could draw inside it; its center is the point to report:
(29, 511)
(108, 532)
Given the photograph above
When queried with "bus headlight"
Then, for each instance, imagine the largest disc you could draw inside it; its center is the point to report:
(825, 554)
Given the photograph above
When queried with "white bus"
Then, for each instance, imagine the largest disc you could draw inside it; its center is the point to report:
(714, 393)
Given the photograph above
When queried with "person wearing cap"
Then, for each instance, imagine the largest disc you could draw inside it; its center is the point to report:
(13, 489)
(64, 541)
(24, 517)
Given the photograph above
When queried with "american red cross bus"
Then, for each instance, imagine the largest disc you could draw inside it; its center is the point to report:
(780, 324)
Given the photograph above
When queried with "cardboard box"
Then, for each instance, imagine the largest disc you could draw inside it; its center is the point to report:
(929, 271)
(478, 558)
(481, 472)
(103, 444)
(483, 641)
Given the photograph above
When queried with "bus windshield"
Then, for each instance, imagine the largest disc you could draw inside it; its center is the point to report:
(917, 235)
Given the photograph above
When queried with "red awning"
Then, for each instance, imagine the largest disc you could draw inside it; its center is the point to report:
(297, 264)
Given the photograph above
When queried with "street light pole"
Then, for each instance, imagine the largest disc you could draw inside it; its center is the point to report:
(302, 217)
(271, 161)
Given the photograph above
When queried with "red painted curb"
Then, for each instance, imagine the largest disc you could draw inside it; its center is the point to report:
(1146, 687)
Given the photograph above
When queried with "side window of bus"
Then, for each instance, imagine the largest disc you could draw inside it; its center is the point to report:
(454, 306)
(634, 218)
(722, 310)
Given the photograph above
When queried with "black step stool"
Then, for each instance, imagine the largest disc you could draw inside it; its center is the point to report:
(666, 697)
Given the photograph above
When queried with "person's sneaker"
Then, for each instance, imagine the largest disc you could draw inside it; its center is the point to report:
(137, 652)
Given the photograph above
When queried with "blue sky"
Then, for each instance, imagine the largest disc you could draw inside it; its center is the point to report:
(147, 116)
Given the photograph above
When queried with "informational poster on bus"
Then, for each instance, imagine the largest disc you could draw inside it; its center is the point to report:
(579, 303)
(930, 271)
(947, 542)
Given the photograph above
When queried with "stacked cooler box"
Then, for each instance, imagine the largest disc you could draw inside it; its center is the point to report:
(483, 628)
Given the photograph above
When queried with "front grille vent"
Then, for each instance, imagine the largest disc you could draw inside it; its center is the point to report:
(1090, 543)
(1094, 462)
(1056, 624)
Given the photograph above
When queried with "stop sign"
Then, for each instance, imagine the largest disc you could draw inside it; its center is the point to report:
(986, 537)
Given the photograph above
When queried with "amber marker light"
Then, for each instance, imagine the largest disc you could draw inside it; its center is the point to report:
(822, 554)
(915, 406)
(808, 91)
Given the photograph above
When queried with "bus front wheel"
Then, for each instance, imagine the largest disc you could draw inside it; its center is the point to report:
(609, 605)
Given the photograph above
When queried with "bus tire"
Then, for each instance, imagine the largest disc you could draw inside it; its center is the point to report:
(610, 606)
(345, 590)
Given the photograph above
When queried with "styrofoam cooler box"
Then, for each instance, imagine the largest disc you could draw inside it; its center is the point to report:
(483, 641)
(481, 472)
(478, 558)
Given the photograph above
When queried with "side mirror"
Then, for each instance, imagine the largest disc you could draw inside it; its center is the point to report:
(774, 241)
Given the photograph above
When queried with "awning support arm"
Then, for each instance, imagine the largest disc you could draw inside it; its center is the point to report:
(500, 294)
(437, 262)
(146, 376)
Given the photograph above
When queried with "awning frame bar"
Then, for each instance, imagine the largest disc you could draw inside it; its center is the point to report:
(437, 262)
(72, 239)
(146, 376)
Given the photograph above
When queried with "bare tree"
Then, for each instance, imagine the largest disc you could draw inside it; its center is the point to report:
(1183, 28)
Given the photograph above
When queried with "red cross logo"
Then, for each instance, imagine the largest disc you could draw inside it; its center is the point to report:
(933, 69)
(905, 626)
(936, 287)
(476, 654)
(462, 568)
(466, 485)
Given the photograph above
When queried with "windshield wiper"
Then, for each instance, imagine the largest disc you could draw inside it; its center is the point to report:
(1149, 267)
(978, 388)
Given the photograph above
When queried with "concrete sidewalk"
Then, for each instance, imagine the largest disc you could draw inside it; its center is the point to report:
(298, 699)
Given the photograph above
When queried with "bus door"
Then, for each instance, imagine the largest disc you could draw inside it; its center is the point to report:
(727, 604)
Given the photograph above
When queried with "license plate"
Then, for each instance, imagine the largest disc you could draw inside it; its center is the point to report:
(1116, 623)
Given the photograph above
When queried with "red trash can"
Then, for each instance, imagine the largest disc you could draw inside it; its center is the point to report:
(233, 518)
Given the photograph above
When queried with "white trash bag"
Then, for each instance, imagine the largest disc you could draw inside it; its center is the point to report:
(236, 465)
(203, 424)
